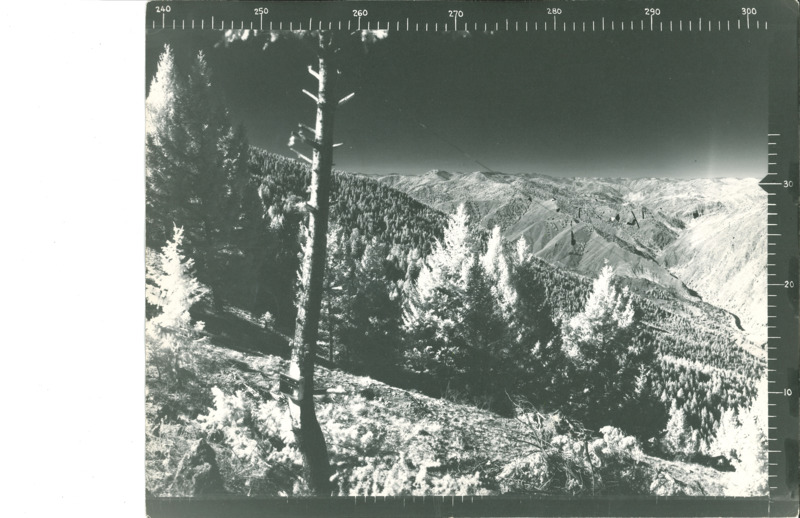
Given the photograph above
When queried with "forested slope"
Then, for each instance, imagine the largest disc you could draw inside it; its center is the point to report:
(675, 327)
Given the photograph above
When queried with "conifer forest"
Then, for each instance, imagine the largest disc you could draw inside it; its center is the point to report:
(322, 326)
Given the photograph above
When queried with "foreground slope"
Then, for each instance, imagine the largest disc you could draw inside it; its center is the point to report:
(382, 440)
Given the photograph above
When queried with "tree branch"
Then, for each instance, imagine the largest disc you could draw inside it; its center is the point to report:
(301, 155)
(316, 100)
(300, 135)
(346, 98)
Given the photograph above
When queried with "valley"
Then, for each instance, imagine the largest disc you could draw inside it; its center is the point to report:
(700, 240)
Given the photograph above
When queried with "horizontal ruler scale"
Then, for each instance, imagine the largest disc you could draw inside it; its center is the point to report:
(453, 17)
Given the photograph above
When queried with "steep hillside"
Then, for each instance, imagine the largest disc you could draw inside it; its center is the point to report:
(699, 239)
(571, 249)
(722, 252)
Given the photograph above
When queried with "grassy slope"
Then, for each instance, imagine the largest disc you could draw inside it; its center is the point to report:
(383, 440)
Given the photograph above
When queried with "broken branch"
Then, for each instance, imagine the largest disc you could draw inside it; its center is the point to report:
(345, 99)
(301, 155)
(311, 95)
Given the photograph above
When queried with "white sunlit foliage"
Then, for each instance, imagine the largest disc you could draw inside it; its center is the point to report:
(174, 290)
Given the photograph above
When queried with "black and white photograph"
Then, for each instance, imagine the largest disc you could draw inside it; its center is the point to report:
(458, 256)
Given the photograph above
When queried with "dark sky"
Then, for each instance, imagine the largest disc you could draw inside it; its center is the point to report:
(621, 104)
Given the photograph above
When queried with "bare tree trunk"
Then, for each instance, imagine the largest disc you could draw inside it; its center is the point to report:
(307, 431)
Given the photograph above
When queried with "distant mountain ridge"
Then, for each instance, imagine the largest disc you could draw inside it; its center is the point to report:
(698, 238)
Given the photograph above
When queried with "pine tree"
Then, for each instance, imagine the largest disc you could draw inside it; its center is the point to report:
(539, 351)
(436, 303)
(496, 267)
(678, 435)
(375, 315)
(522, 252)
(459, 317)
(197, 166)
(160, 126)
(160, 103)
(434, 314)
(172, 288)
(605, 357)
(489, 366)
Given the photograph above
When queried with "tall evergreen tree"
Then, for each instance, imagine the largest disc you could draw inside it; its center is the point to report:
(374, 314)
(459, 314)
(606, 357)
(540, 353)
(497, 267)
(160, 103)
(435, 303)
(196, 164)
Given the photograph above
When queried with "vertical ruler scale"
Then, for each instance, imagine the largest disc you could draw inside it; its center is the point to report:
(781, 185)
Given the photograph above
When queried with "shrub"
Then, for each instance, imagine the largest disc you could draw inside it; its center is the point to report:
(255, 443)
(559, 456)
(405, 458)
